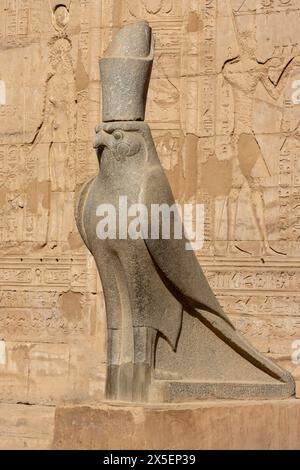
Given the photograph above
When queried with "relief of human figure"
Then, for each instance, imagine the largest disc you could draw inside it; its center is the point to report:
(58, 133)
(244, 73)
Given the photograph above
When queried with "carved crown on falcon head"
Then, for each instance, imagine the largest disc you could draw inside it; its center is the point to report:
(125, 72)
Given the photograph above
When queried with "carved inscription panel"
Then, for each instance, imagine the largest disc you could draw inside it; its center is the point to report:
(224, 108)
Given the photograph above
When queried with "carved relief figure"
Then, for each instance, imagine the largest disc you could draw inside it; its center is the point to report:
(244, 73)
(151, 7)
(58, 129)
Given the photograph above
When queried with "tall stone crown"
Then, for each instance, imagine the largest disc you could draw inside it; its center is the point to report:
(125, 73)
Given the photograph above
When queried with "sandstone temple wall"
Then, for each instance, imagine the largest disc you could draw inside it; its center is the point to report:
(224, 109)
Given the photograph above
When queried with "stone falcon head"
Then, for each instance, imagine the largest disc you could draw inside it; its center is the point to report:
(123, 140)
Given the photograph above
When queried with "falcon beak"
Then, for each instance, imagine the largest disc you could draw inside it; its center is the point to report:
(104, 139)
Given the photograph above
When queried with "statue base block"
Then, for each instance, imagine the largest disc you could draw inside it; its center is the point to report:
(259, 424)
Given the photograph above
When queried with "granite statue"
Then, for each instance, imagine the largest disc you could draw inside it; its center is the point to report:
(168, 338)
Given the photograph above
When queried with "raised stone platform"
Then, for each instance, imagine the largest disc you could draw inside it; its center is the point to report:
(26, 427)
(268, 424)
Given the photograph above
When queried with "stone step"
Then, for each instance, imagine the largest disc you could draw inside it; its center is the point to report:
(219, 424)
(26, 426)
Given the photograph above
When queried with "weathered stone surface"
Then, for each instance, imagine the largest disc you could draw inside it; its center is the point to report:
(50, 317)
(192, 111)
(26, 427)
(223, 425)
(297, 393)
(153, 283)
(125, 73)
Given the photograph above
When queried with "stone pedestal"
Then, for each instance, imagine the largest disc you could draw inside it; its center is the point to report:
(268, 424)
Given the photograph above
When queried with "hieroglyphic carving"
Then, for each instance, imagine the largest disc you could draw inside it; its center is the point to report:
(58, 133)
(44, 298)
(243, 74)
(192, 110)
(16, 24)
(150, 9)
(253, 280)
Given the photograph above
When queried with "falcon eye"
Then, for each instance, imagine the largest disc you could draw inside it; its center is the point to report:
(118, 135)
